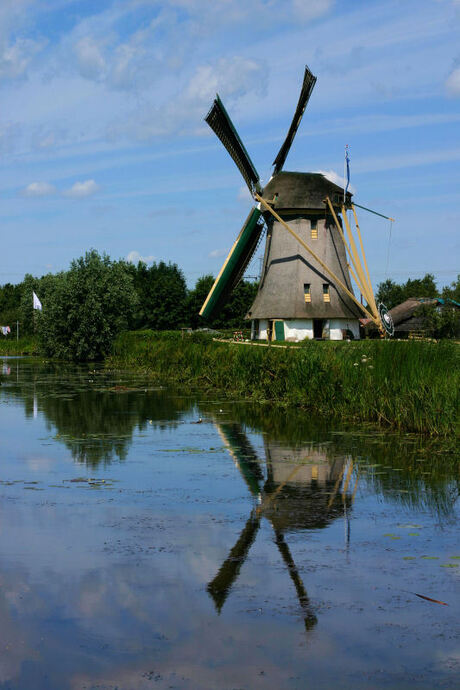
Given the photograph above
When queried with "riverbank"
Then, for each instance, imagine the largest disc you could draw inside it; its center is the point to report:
(9, 346)
(410, 386)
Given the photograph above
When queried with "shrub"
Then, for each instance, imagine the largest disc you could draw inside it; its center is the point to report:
(85, 308)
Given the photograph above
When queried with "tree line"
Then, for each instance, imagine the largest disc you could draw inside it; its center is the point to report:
(86, 306)
(392, 294)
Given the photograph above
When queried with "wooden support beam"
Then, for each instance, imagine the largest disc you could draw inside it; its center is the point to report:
(358, 265)
(364, 258)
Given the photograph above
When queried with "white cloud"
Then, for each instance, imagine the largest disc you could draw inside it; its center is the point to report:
(311, 9)
(15, 57)
(244, 194)
(81, 190)
(91, 63)
(453, 82)
(217, 253)
(182, 113)
(337, 179)
(134, 257)
(37, 189)
(232, 77)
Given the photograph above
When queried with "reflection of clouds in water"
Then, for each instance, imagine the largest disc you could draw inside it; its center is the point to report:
(40, 464)
(15, 595)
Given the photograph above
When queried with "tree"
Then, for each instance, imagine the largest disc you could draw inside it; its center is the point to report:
(231, 315)
(85, 308)
(195, 301)
(441, 321)
(42, 287)
(452, 291)
(10, 301)
(162, 293)
(392, 294)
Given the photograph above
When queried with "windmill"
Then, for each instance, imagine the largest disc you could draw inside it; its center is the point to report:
(305, 289)
(301, 490)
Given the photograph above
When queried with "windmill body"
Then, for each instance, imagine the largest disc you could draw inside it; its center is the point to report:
(296, 298)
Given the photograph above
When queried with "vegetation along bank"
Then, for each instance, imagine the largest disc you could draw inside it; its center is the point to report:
(410, 386)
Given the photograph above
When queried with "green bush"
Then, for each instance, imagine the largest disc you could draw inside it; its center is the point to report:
(85, 308)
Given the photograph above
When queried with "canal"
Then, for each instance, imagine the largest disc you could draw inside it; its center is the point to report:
(155, 539)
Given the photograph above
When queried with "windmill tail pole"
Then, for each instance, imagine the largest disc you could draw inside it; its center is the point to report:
(374, 212)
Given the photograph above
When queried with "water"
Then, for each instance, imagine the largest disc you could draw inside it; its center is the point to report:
(254, 549)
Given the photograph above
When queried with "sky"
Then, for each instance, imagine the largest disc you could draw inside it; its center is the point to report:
(103, 143)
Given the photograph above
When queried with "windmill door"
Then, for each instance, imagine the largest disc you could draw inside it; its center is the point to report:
(279, 330)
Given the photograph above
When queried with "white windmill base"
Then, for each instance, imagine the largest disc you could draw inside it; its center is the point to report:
(301, 329)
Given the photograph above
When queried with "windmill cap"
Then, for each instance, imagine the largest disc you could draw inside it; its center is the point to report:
(297, 190)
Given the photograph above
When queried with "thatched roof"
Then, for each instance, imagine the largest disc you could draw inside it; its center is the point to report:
(294, 190)
(404, 315)
(405, 311)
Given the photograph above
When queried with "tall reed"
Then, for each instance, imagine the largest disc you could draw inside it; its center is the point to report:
(411, 386)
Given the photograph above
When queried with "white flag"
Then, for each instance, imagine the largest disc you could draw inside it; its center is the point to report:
(37, 303)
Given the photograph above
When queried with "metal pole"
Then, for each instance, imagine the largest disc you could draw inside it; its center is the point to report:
(374, 212)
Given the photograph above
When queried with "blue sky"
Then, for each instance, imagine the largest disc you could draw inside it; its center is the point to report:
(103, 144)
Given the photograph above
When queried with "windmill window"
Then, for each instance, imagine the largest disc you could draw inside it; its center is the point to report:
(307, 292)
(314, 229)
(326, 294)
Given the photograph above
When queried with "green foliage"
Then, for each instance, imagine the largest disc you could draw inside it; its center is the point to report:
(440, 321)
(232, 314)
(411, 386)
(26, 345)
(195, 301)
(42, 287)
(84, 308)
(162, 293)
(10, 300)
(392, 294)
(452, 291)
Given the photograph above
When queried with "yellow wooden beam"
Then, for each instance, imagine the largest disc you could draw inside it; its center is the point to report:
(359, 283)
(357, 262)
(377, 320)
(364, 256)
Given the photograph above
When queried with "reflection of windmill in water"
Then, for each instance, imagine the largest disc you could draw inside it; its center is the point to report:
(305, 289)
(299, 489)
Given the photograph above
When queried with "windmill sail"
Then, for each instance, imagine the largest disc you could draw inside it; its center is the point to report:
(219, 121)
(309, 82)
(235, 264)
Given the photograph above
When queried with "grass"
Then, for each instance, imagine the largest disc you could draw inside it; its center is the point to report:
(28, 345)
(410, 386)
